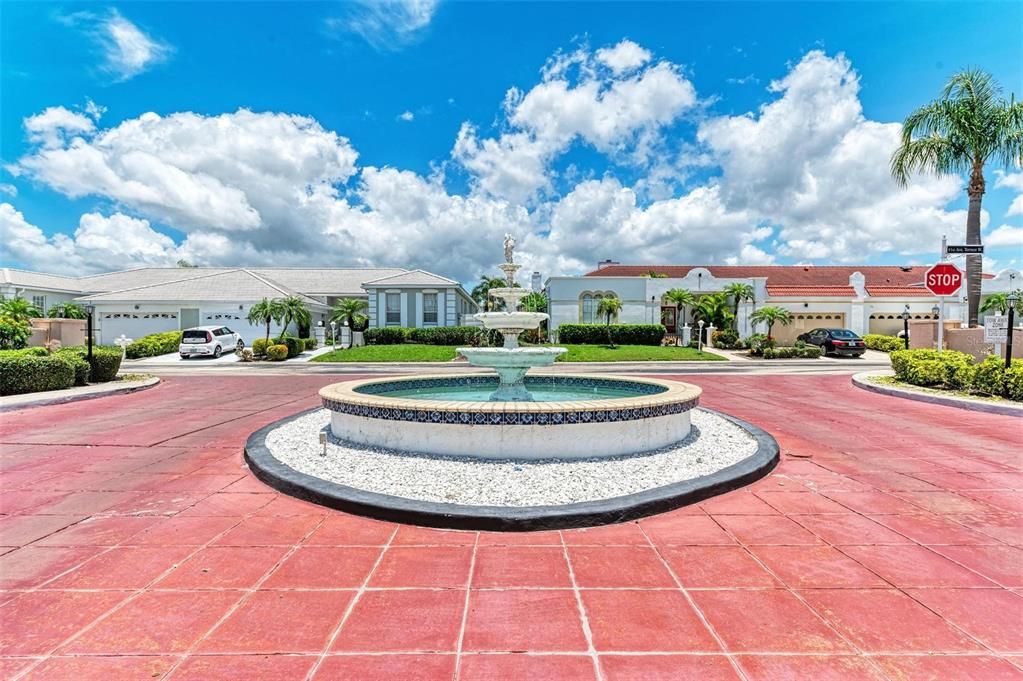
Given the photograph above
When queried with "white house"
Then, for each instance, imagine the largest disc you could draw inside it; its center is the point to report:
(151, 299)
(865, 299)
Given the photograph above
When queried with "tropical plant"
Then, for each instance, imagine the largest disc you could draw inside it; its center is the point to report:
(999, 302)
(66, 311)
(739, 292)
(969, 125)
(534, 302)
(481, 292)
(683, 299)
(351, 311)
(266, 312)
(771, 315)
(293, 309)
(19, 309)
(713, 309)
(609, 307)
(14, 333)
(654, 274)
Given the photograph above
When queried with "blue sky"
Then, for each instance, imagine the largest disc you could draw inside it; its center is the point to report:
(417, 133)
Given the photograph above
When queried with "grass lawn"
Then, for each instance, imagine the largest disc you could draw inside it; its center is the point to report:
(391, 353)
(633, 353)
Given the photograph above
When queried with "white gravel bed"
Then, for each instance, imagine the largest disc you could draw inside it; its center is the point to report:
(714, 443)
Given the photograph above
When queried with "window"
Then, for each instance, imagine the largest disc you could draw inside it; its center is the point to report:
(429, 308)
(393, 309)
(40, 302)
(590, 302)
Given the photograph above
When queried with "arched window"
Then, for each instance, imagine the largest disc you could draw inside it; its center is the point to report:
(588, 308)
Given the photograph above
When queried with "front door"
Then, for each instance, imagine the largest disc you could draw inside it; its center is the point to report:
(189, 317)
(668, 319)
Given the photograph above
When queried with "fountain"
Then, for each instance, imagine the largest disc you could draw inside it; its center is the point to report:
(512, 449)
(510, 362)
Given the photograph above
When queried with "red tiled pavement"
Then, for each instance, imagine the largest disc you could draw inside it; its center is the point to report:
(134, 543)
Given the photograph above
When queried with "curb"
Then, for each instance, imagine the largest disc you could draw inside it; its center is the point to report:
(859, 380)
(508, 519)
(66, 399)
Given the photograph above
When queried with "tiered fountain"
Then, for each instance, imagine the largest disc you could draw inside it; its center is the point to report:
(511, 362)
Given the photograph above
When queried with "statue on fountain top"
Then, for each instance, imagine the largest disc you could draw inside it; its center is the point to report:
(509, 248)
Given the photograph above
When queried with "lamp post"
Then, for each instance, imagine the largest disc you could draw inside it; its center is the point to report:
(333, 334)
(936, 311)
(699, 337)
(1011, 300)
(905, 326)
(89, 309)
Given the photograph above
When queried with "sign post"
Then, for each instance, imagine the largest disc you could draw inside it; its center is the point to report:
(943, 279)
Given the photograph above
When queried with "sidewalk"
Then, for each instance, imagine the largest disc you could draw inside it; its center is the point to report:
(83, 392)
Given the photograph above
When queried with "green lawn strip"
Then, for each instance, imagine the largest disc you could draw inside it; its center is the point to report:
(406, 352)
(893, 382)
(635, 353)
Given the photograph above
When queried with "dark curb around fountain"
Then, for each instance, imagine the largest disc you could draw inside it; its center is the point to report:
(502, 518)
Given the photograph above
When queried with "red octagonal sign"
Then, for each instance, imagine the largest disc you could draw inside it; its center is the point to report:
(943, 279)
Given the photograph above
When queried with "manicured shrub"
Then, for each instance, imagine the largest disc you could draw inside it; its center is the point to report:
(259, 346)
(14, 333)
(757, 343)
(154, 344)
(1013, 381)
(27, 373)
(989, 376)
(726, 339)
(277, 353)
(619, 334)
(387, 335)
(295, 345)
(310, 343)
(79, 364)
(444, 335)
(926, 367)
(876, 341)
(791, 352)
(36, 352)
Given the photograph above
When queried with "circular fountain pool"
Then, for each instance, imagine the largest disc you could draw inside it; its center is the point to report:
(569, 417)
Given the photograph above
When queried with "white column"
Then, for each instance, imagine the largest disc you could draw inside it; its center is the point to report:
(404, 308)
(442, 309)
(419, 309)
(381, 308)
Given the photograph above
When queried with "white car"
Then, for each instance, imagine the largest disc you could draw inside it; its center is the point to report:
(209, 340)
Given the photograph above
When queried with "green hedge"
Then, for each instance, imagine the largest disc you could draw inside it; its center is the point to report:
(105, 364)
(620, 334)
(27, 373)
(726, 339)
(786, 352)
(445, 335)
(277, 353)
(154, 344)
(387, 335)
(957, 371)
(295, 345)
(876, 341)
(310, 343)
(260, 345)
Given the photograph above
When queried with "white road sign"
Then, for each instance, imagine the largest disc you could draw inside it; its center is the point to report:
(996, 329)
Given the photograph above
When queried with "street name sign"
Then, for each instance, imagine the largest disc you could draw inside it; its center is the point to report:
(943, 279)
(969, 249)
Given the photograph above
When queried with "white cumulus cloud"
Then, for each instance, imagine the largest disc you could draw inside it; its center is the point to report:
(386, 24)
(1005, 235)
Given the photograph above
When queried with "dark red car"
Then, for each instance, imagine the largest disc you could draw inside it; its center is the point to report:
(841, 342)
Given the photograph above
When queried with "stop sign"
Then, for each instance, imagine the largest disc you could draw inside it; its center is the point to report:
(943, 279)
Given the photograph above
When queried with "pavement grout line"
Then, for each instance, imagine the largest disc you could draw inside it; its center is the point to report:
(583, 618)
(351, 606)
(465, 608)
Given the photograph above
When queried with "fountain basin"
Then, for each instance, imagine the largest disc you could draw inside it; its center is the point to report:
(511, 365)
(571, 417)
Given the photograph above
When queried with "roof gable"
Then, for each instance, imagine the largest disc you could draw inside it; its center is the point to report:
(412, 278)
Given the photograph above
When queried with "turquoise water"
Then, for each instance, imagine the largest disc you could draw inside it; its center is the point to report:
(541, 393)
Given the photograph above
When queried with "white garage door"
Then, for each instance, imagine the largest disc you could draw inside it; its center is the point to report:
(134, 325)
(803, 322)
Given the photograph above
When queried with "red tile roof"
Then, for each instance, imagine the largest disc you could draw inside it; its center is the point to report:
(783, 275)
(898, 291)
(803, 291)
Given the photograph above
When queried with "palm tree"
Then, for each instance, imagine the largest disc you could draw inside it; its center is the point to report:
(293, 309)
(351, 311)
(481, 292)
(608, 307)
(771, 315)
(713, 308)
(19, 309)
(654, 274)
(968, 126)
(534, 302)
(66, 311)
(738, 293)
(265, 312)
(682, 298)
(999, 302)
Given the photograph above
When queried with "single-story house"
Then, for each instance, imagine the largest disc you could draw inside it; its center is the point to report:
(147, 300)
(863, 298)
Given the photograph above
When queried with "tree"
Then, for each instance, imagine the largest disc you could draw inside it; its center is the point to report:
(999, 302)
(771, 315)
(534, 302)
(609, 307)
(66, 311)
(481, 292)
(184, 263)
(713, 309)
(19, 309)
(958, 133)
(739, 293)
(265, 312)
(682, 298)
(654, 274)
(351, 311)
(293, 309)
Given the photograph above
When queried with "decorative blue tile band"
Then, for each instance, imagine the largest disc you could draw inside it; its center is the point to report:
(485, 382)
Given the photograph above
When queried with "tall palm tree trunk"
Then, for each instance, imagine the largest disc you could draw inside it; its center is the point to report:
(268, 331)
(974, 263)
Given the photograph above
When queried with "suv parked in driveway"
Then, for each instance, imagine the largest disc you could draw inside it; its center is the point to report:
(835, 341)
(209, 340)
